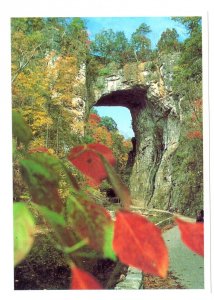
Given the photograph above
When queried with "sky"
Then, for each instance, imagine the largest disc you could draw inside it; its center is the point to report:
(157, 25)
(130, 24)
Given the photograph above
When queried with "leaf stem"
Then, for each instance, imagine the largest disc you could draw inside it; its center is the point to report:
(75, 247)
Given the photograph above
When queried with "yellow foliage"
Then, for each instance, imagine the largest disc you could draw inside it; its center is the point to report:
(38, 142)
(100, 134)
(44, 86)
(78, 127)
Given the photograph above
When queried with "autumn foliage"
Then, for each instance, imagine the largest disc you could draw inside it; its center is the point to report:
(141, 237)
(94, 119)
(78, 222)
(138, 242)
(192, 234)
(92, 226)
(87, 160)
(83, 280)
(47, 59)
(112, 139)
(39, 149)
(196, 134)
(196, 121)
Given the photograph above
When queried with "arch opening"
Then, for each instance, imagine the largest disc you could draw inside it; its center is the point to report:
(122, 117)
(123, 106)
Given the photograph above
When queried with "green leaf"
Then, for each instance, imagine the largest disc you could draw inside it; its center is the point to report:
(89, 221)
(42, 173)
(42, 164)
(51, 216)
(108, 241)
(21, 131)
(24, 227)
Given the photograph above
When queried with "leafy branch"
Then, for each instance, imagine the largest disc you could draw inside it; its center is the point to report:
(77, 222)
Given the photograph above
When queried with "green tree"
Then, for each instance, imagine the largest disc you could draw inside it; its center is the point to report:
(191, 23)
(109, 123)
(190, 64)
(140, 43)
(75, 40)
(121, 48)
(168, 42)
(111, 46)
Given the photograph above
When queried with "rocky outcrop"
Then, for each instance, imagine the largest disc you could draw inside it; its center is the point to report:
(146, 90)
(161, 169)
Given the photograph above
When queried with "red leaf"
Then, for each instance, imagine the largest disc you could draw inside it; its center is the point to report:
(86, 158)
(139, 243)
(82, 280)
(192, 235)
(90, 220)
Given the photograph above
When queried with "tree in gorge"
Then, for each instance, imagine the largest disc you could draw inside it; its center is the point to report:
(109, 123)
(104, 130)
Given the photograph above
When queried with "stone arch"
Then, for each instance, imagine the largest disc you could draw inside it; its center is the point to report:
(156, 124)
(154, 144)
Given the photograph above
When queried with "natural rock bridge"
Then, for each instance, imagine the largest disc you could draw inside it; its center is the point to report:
(156, 124)
(146, 90)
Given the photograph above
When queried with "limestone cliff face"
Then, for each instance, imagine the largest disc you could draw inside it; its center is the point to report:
(75, 108)
(146, 90)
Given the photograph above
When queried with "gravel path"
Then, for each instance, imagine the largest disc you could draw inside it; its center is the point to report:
(187, 266)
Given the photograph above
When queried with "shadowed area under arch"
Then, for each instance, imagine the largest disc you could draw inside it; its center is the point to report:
(130, 98)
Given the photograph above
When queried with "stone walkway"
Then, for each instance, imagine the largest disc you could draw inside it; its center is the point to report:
(133, 280)
(187, 266)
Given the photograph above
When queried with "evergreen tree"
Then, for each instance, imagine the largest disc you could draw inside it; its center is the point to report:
(168, 42)
(140, 43)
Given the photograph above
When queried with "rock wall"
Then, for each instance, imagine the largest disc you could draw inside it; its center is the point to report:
(146, 90)
(157, 176)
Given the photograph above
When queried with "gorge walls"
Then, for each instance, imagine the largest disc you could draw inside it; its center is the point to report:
(163, 173)
(145, 89)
